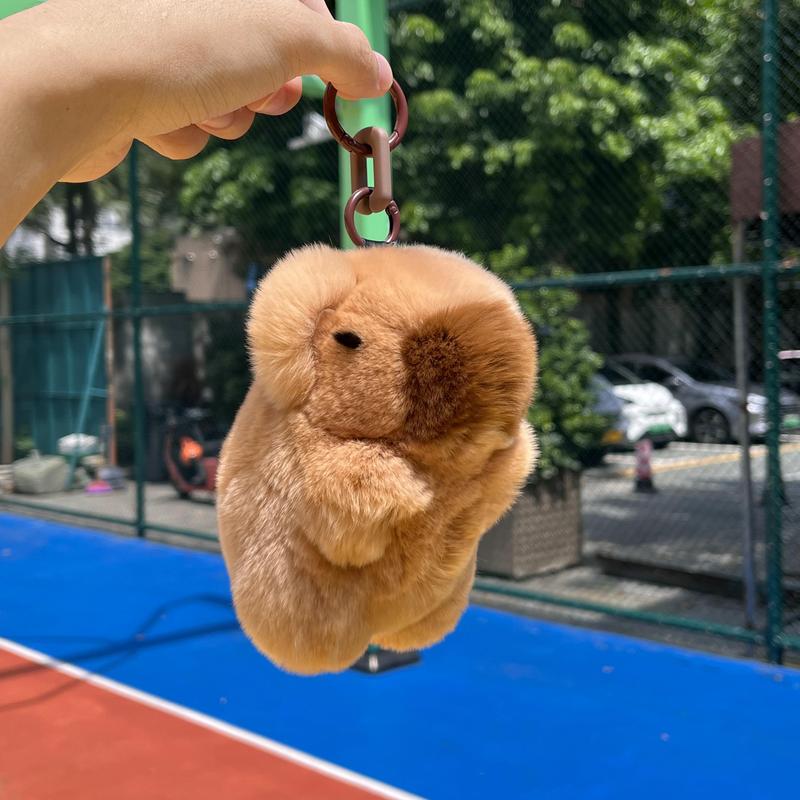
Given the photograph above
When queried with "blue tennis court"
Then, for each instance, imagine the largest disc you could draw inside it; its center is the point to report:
(506, 707)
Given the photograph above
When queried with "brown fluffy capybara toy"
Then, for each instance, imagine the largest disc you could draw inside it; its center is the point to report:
(383, 434)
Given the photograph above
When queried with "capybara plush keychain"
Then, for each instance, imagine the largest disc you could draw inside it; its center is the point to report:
(384, 432)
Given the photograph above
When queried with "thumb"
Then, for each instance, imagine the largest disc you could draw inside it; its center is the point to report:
(341, 54)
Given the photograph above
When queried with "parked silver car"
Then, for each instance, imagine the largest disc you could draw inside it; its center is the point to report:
(710, 397)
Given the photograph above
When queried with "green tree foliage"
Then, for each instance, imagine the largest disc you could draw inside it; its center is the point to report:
(595, 134)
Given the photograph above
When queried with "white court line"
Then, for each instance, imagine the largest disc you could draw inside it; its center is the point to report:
(205, 721)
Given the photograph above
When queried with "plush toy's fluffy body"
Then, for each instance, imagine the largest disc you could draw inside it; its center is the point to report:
(383, 434)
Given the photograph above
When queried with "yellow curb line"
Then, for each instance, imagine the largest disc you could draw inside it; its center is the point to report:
(722, 458)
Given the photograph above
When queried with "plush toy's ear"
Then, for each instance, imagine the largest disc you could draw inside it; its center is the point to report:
(283, 318)
(473, 364)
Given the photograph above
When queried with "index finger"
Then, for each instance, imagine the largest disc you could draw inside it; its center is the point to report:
(321, 7)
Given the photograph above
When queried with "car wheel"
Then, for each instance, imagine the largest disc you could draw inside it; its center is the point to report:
(710, 426)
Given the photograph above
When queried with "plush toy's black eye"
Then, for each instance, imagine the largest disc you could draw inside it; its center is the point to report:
(348, 339)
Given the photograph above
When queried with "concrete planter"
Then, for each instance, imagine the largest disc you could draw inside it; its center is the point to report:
(542, 532)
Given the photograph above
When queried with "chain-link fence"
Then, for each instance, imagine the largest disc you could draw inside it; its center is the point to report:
(632, 168)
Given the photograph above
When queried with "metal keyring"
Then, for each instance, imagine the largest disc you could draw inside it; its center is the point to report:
(346, 140)
(392, 211)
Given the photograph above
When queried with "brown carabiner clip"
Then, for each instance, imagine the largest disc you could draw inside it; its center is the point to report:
(346, 140)
(392, 211)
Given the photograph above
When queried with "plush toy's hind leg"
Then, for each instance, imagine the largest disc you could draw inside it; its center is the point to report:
(306, 639)
(436, 624)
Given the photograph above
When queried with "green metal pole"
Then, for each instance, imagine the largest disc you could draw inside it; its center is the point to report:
(136, 304)
(770, 244)
(371, 16)
(313, 87)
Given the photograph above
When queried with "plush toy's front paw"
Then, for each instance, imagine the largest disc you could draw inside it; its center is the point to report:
(353, 492)
(381, 487)
(364, 480)
(352, 519)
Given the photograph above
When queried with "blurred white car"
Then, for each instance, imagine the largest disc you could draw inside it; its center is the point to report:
(648, 411)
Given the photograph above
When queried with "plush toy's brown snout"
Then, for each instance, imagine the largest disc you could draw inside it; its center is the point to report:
(462, 371)
(383, 434)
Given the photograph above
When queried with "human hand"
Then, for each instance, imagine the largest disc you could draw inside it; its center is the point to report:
(172, 73)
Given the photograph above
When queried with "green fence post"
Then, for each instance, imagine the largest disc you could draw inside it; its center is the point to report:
(136, 305)
(770, 244)
(371, 17)
(313, 87)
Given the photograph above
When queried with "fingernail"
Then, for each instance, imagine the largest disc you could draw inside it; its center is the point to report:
(385, 76)
(219, 123)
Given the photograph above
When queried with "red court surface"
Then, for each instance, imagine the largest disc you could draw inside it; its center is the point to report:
(108, 742)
